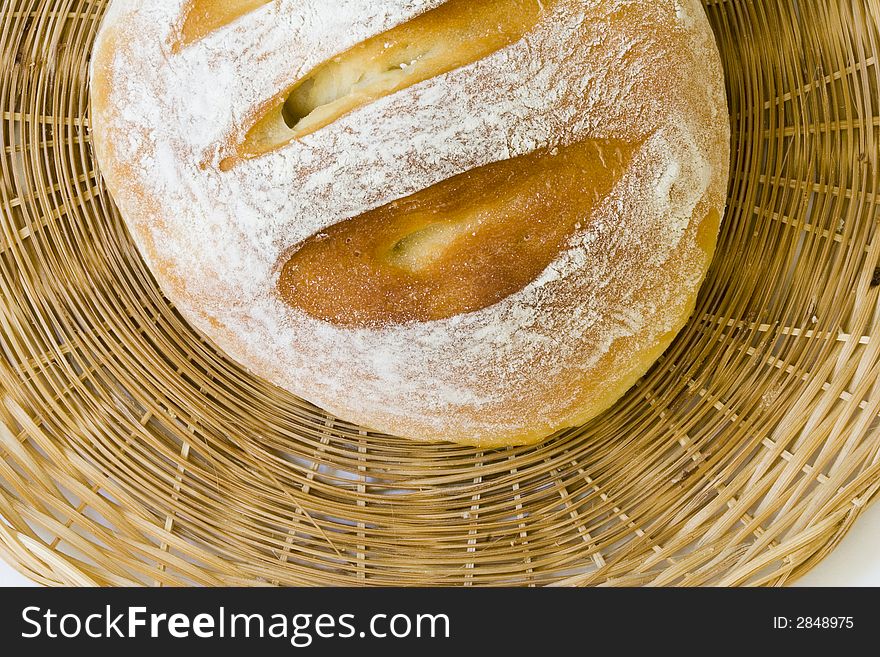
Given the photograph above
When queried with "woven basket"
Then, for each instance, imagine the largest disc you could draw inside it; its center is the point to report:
(133, 452)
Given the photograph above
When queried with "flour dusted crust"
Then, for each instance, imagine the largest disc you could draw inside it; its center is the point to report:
(551, 355)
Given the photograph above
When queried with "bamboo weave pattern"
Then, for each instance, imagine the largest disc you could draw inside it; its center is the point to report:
(132, 452)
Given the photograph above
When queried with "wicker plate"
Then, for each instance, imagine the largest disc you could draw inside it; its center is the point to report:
(133, 452)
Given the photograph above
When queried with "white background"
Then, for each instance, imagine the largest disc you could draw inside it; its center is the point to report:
(856, 562)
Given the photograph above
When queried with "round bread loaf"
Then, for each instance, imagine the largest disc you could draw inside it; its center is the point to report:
(473, 220)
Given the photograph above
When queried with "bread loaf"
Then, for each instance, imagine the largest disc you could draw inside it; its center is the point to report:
(475, 220)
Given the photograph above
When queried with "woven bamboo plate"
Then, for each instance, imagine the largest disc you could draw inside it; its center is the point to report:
(134, 453)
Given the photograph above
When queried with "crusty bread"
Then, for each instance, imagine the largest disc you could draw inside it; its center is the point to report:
(474, 220)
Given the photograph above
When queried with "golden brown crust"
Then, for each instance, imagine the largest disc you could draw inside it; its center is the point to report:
(445, 38)
(459, 246)
(201, 17)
